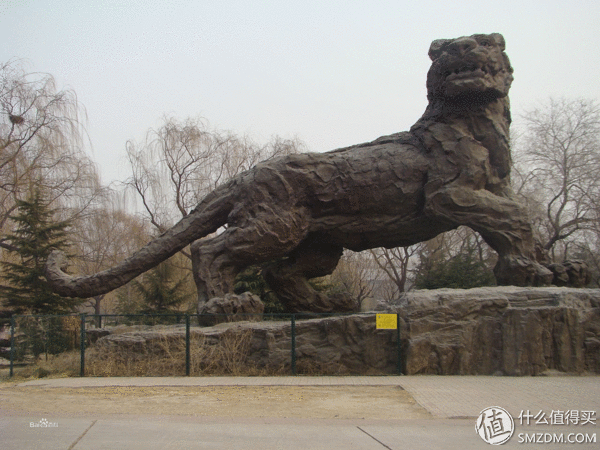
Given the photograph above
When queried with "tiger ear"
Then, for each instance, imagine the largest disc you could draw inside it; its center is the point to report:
(435, 50)
(499, 40)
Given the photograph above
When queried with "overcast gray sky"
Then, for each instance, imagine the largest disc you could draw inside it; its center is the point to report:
(333, 73)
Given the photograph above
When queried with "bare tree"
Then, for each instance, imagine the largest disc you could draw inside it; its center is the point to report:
(355, 274)
(395, 264)
(557, 171)
(181, 162)
(104, 236)
(41, 142)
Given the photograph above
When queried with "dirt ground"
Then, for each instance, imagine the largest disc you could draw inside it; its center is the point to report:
(316, 402)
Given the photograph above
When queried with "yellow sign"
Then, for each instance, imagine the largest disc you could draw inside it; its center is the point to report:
(387, 321)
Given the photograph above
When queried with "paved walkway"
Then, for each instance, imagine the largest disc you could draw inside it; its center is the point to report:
(453, 401)
(442, 396)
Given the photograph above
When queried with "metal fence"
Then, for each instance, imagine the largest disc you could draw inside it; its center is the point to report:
(183, 335)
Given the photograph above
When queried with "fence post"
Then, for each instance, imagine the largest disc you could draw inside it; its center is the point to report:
(187, 345)
(82, 346)
(399, 349)
(12, 345)
(293, 344)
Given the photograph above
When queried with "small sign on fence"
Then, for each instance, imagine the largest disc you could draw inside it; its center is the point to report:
(387, 321)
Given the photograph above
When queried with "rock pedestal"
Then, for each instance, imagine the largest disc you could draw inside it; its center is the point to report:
(485, 331)
(503, 331)
(231, 308)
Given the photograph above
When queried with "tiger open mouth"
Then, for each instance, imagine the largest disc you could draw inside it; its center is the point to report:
(464, 72)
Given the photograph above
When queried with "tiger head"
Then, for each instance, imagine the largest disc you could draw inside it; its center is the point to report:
(469, 66)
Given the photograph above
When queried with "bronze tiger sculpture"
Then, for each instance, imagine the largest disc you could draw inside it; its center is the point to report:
(452, 168)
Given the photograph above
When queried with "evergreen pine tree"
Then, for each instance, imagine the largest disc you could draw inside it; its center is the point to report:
(162, 291)
(37, 234)
(251, 280)
(462, 271)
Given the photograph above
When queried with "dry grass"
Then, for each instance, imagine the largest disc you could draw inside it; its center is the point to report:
(227, 354)
(66, 364)
(165, 356)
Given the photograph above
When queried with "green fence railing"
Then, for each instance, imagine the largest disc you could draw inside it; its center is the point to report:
(35, 335)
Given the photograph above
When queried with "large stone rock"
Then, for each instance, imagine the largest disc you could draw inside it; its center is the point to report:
(485, 331)
(570, 273)
(509, 331)
(93, 334)
(231, 308)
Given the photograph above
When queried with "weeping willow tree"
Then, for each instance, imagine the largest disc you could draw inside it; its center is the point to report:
(42, 143)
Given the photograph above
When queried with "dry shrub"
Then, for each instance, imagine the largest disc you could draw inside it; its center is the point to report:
(67, 364)
(228, 355)
(165, 356)
(232, 351)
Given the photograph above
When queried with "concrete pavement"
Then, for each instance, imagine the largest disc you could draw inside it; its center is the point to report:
(454, 403)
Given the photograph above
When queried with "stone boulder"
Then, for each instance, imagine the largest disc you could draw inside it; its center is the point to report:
(231, 308)
(93, 334)
(570, 273)
(502, 331)
(5, 342)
